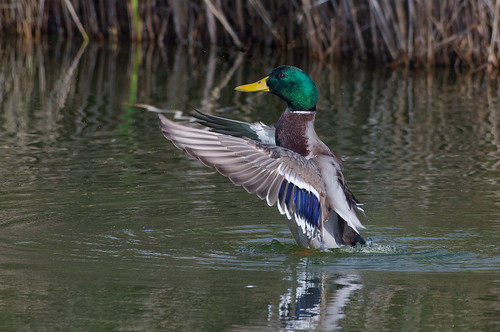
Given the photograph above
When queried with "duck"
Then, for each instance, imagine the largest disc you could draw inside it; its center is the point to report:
(286, 165)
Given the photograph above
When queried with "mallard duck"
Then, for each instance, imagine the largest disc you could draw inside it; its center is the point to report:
(287, 165)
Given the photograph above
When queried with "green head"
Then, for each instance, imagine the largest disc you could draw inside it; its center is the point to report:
(291, 84)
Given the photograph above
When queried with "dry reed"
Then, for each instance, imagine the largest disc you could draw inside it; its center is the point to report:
(409, 33)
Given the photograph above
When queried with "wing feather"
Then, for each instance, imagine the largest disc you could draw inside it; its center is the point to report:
(276, 174)
(273, 191)
(257, 130)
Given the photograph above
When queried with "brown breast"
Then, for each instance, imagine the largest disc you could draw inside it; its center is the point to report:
(291, 131)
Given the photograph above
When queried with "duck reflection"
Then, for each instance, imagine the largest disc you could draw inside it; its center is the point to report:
(316, 300)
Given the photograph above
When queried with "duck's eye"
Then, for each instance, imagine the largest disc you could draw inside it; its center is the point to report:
(281, 75)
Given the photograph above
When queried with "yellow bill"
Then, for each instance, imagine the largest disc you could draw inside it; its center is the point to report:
(260, 85)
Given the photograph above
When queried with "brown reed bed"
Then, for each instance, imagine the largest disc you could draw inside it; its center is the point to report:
(407, 33)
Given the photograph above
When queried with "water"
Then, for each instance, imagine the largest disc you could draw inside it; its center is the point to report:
(104, 225)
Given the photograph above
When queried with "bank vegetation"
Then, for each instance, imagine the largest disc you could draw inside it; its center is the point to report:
(407, 33)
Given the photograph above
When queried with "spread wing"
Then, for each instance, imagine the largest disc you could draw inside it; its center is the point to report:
(276, 174)
(257, 131)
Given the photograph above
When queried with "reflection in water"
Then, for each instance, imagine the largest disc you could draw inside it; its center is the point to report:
(317, 301)
(400, 112)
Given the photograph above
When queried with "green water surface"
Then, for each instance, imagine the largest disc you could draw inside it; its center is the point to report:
(105, 225)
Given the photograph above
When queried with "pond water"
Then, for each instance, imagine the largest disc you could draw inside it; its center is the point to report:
(104, 225)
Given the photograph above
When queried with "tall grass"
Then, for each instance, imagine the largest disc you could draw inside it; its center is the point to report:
(398, 32)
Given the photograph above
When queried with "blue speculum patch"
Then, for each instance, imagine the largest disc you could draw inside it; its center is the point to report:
(306, 203)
